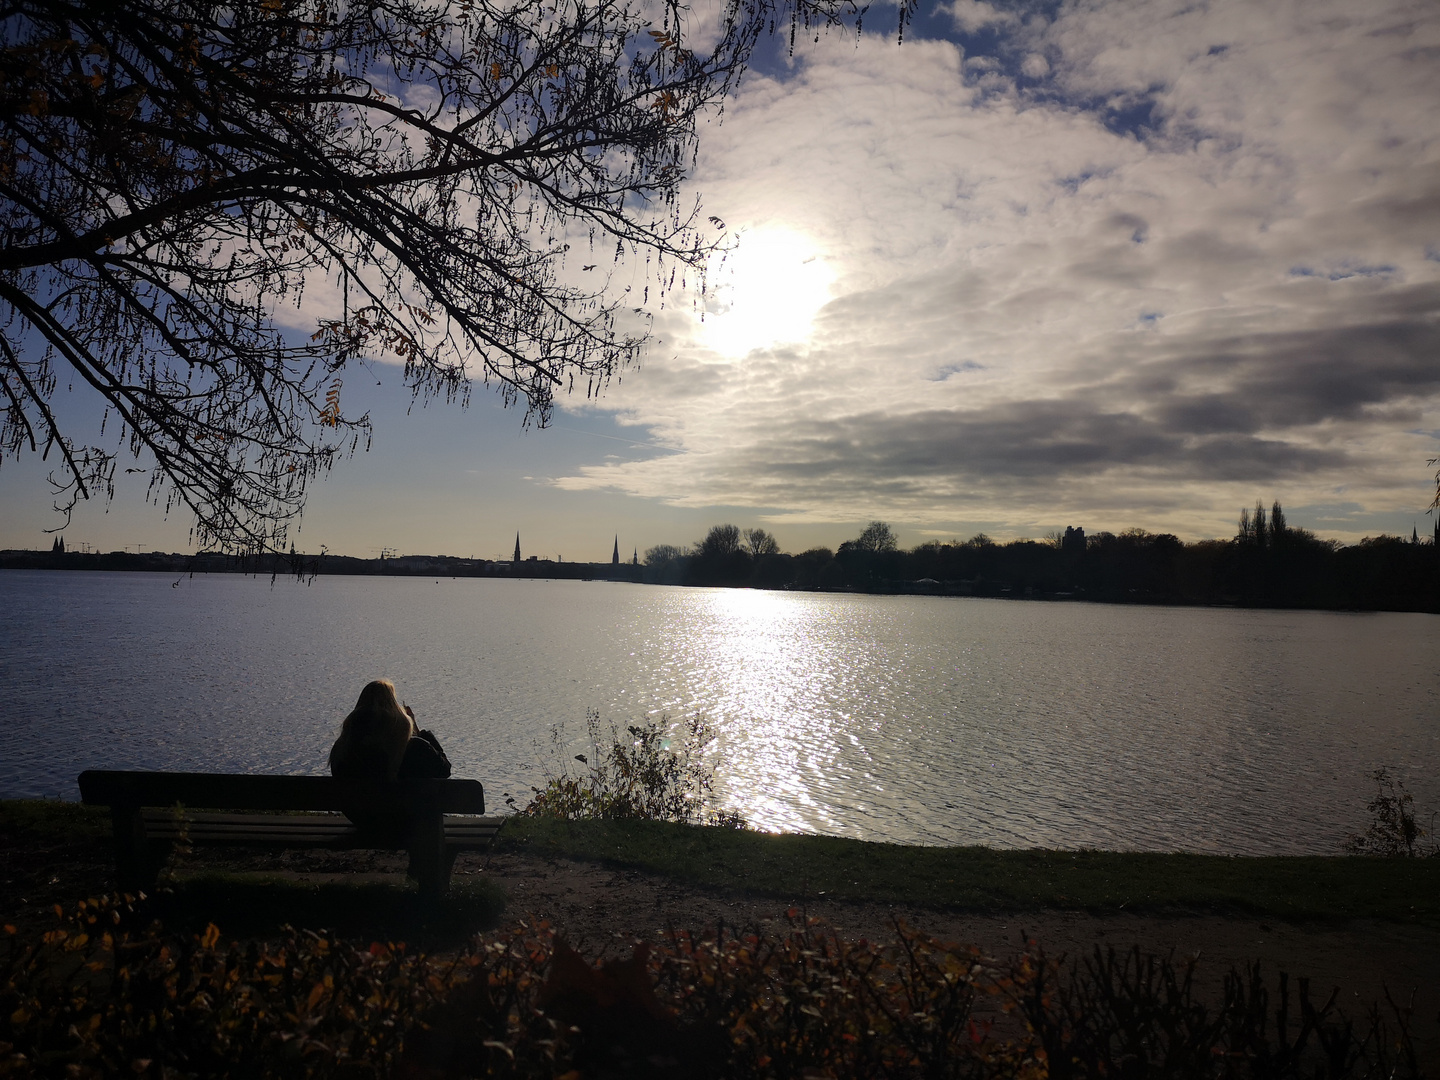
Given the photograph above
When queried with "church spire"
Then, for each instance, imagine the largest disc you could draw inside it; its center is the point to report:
(615, 555)
(516, 560)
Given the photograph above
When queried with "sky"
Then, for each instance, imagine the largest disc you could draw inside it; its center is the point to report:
(1106, 264)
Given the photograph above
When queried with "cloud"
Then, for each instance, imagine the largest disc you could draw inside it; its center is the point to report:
(972, 16)
(1194, 264)
(1035, 66)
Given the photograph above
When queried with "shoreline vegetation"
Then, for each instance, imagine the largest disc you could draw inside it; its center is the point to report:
(991, 880)
(1268, 564)
(644, 800)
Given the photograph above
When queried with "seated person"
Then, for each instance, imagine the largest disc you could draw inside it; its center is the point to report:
(379, 741)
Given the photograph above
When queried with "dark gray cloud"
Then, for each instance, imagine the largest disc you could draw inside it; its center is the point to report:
(1024, 440)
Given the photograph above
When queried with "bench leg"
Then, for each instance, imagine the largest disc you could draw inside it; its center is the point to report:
(429, 861)
(137, 859)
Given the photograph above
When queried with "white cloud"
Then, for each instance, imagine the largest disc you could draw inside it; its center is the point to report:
(1035, 66)
(974, 15)
(1192, 273)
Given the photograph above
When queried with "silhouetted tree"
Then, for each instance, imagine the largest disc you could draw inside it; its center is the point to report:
(666, 564)
(720, 542)
(871, 558)
(760, 543)
(875, 538)
(661, 554)
(173, 173)
(809, 568)
(1277, 524)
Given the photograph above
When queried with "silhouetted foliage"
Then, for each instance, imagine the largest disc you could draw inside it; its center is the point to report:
(1393, 829)
(720, 542)
(760, 543)
(661, 554)
(666, 564)
(1136, 1014)
(1269, 563)
(172, 174)
(875, 538)
(98, 996)
(1292, 568)
(651, 776)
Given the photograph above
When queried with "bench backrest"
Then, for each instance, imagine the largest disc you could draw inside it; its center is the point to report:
(240, 791)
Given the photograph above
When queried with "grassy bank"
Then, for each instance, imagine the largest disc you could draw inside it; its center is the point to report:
(986, 880)
(48, 821)
(800, 868)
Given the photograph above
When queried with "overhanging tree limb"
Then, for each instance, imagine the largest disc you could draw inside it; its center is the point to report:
(172, 171)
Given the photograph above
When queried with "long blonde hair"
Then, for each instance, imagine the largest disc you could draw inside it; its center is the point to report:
(373, 738)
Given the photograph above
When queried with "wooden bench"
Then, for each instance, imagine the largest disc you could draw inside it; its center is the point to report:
(152, 810)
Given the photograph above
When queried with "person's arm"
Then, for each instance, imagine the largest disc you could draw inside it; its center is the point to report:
(424, 759)
(442, 759)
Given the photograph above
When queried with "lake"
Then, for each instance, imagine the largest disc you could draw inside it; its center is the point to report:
(910, 719)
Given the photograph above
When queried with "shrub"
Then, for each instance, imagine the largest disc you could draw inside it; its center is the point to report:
(1136, 1015)
(646, 777)
(95, 998)
(1393, 829)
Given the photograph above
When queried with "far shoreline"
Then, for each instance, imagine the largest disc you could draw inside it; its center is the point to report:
(307, 567)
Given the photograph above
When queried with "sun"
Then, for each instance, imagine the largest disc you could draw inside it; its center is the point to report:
(765, 291)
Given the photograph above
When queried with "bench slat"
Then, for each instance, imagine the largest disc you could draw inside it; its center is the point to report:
(299, 830)
(158, 814)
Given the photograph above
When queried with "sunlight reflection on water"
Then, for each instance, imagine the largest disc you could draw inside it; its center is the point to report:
(912, 719)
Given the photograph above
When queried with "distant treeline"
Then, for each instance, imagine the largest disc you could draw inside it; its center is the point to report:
(306, 566)
(1268, 564)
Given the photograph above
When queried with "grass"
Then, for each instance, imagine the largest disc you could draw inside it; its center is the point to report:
(51, 821)
(259, 905)
(987, 880)
(797, 868)
(58, 851)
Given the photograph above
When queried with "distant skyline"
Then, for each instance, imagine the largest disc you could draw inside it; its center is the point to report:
(1105, 264)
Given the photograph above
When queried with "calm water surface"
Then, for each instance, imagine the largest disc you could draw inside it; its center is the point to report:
(913, 719)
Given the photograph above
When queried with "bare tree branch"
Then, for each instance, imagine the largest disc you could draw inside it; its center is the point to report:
(173, 171)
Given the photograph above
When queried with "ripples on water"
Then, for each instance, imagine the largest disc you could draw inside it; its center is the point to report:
(912, 719)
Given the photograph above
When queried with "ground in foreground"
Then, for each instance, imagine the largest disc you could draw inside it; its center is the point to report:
(604, 888)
